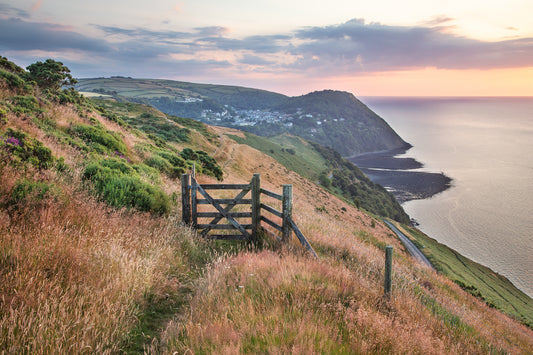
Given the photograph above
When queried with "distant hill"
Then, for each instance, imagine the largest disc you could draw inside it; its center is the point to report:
(333, 119)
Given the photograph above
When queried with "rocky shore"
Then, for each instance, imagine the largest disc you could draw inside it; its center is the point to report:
(397, 175)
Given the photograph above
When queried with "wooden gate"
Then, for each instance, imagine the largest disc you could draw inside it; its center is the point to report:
(194, 194)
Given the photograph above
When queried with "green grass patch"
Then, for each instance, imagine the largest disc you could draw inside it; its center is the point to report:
(290, 151)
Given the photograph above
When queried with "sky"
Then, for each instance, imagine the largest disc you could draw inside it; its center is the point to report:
(369, 48)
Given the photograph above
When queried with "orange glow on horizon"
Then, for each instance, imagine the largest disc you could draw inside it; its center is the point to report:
(439, 82)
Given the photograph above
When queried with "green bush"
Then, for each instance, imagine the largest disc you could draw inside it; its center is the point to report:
(159, 163)
(13, 81)
(178, 164)
(174, 159)
(208, 164)
(34, 189)
(70, 96)
(3, 115)
(31, 193)
(147, 172)
(25, 104)
(118, 164)
(159, 129)
(99, 138)
(21, 149)
(121, 186)
(11, 67)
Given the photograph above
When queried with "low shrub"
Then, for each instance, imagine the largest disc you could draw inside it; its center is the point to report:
(10, 67)
(120, 185)
(208, 164)
(66, 96)
(31, 191)
(159, 163)
(25, 104)
(99, 138)
(168, 163)
(13, 81)
(159, 127)
(22, 149)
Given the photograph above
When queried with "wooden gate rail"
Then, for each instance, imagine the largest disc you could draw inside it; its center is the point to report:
(190, 214)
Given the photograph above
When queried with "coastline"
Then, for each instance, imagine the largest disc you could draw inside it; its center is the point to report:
(397, 174)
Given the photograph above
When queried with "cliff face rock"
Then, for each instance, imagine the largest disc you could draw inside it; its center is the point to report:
(334, 119)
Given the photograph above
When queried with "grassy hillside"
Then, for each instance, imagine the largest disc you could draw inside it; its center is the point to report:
(477, 279)
(89, 270)
(330, 170)
(236, 96)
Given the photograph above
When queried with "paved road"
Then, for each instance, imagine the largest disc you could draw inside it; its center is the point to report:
(415, 252)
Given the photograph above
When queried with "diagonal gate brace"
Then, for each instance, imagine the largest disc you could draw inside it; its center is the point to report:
(228, 208)
(222, 211)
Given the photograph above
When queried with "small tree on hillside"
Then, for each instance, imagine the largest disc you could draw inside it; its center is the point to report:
(50, 75)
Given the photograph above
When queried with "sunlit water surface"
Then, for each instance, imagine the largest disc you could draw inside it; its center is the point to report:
(486, 146)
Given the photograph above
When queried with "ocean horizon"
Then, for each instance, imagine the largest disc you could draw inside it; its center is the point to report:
(485, 145)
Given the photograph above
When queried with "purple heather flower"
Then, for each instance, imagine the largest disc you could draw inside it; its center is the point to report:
(122, 155)
(13, 141)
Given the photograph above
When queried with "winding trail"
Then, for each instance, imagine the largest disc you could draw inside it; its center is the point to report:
(413, 250)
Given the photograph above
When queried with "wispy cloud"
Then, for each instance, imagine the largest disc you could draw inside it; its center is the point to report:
(20, 35)
(211, 31)
(349, 48)
(255, 60)
(145, 34)
(37, 5)
(7, 11)
(342, 48)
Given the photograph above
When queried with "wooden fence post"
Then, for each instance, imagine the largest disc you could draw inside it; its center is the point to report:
(185, 199)
(287, 213)
(388, 270)
(256, 206)
(194, 203)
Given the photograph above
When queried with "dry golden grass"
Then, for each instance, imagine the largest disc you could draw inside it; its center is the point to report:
(74, 274)
(284, 302)
(267, 303)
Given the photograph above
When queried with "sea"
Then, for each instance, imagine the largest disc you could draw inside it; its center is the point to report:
(485, 145)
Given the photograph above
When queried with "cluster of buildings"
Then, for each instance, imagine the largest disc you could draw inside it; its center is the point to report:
(230, 116)
(251, 117)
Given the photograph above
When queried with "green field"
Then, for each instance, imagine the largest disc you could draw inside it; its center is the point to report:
(293, 152)
(477, 279)
(156, 88)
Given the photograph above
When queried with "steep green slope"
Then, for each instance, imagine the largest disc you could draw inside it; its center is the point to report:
(328, 168)
(475, 278)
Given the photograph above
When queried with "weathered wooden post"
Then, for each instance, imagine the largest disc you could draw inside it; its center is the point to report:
(194, 203)
(388, 270)
(286, 213)
(185, 199)
(256, 206)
